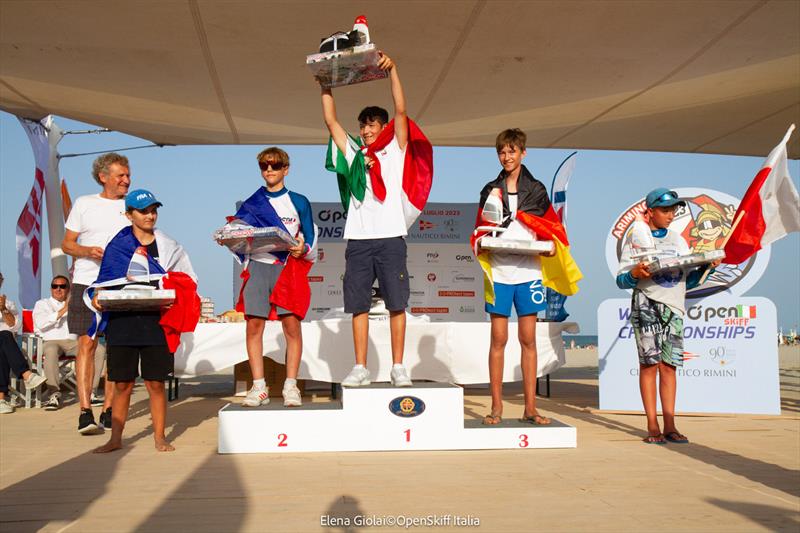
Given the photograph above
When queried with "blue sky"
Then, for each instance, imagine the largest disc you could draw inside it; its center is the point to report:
(200, 184)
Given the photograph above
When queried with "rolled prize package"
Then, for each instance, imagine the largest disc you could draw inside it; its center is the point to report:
(244, 239)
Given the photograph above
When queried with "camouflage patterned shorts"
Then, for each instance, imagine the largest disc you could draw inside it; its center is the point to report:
(658, 331)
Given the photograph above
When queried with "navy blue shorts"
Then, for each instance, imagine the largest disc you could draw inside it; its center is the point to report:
(369, 259)
(528, 298)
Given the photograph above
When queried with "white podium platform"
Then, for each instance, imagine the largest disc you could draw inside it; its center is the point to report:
(428, 416)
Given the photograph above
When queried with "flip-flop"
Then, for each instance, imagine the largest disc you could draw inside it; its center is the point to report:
(496, 420)
(676, 438)
(654, 439)
(534, 419)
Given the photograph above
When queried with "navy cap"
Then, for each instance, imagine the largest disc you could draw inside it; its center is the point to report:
(140, 199)
(662, 197)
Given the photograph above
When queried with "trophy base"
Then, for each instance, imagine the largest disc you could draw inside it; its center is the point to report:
(135, 299)
(519, 247)
(249, 240)
(346, 67)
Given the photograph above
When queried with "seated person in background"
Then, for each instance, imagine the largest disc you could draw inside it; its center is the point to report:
(143, 255)
(11, 357)
(50, 323)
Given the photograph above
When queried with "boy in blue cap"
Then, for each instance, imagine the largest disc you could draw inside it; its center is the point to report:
(657, 310)
(141, 254)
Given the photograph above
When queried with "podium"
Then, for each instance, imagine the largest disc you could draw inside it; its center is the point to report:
(379, 417)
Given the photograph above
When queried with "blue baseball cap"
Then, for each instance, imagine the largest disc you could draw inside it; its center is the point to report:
(662, 197)
(140, 199)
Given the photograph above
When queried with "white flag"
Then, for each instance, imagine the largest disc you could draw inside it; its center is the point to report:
(29, 224)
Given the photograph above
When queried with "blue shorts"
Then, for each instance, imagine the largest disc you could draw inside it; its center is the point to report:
(528, 298)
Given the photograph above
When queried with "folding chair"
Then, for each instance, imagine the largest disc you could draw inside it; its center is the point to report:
(31, 346)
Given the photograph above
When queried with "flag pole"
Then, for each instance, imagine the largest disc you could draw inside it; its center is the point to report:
(53, 200)
(728, 236)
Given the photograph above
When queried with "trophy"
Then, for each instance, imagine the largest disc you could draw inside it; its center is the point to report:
(493, 213)
(136, 298)
(243, 239)
(643, 247)
(346, 58)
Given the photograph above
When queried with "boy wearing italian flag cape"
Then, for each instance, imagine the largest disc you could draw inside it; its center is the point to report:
(384, 180)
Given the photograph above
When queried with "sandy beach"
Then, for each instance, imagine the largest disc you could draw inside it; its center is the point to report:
(739, 473)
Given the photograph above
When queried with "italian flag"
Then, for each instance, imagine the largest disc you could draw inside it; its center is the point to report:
(352, 173)
(769, 210)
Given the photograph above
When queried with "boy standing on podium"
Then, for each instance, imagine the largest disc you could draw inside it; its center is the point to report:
(384, 177)
(513, 279)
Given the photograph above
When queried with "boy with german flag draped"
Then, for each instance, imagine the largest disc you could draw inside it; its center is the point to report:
(520, 279)
(384, 180)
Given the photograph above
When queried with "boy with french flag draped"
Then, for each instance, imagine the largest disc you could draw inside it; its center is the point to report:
(275, 284)
(143, 255)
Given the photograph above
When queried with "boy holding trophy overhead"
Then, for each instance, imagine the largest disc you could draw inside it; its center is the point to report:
(384, 180)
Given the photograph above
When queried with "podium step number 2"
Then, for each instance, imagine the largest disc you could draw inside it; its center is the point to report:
(428, 416)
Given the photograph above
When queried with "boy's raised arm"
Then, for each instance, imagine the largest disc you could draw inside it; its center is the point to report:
(329, 114)
(400, 117)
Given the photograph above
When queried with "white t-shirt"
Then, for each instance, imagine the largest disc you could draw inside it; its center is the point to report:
(372, 219)
(511, 269)
(46, 322)
(667, 286)
(97, 220)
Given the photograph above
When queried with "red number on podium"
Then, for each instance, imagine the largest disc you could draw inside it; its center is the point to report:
(282, 440)
(523, 441)
(408, 435)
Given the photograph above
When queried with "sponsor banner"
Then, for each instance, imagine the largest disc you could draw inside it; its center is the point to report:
(446, 280)
(730, 357)
(704, 223)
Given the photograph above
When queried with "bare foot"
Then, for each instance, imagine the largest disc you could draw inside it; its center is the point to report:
(163, 446)
(109, 446)
(492, 420)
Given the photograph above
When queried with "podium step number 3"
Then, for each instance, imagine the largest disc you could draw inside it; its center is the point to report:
(379, 417)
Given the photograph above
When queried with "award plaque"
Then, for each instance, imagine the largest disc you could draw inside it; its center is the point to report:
(250, 240)
(516, 246)
(687, 261)
(346, 67)
(140, 298)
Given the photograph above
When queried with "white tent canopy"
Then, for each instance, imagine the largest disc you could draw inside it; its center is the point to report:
(710, 77)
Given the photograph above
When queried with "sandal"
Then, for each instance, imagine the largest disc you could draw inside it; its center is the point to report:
(676, 438)
(536, 420)
(492, 420)
(654, 439)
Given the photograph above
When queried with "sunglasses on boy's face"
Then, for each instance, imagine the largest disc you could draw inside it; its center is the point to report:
(58, 286)
(277, 165)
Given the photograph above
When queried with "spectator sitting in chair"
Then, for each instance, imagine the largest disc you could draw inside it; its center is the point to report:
(11, 357)
(50, 323)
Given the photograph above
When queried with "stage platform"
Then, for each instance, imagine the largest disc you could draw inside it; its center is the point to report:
(379, 417)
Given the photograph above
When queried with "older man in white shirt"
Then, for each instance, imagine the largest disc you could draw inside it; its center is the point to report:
(50, 323)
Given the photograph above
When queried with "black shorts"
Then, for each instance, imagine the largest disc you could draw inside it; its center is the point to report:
(123, 362)
(370, 259)
(79, 317)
